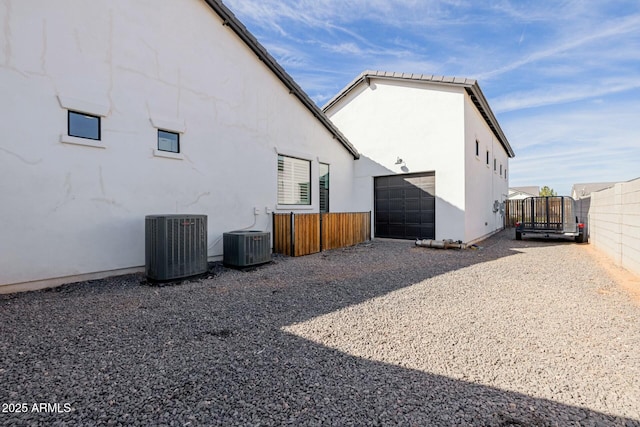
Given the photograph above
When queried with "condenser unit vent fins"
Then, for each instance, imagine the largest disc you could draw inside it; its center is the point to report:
(246, 247)
(175, 246)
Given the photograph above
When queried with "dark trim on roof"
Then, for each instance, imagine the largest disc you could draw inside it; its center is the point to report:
(230, 20)
(470, 86)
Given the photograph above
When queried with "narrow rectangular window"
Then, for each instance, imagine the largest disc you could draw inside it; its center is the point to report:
(84, 125)
(500, 169)
(168, 141)
(323, 172)
(477, 148)
(494, 165)
(487, 158)
(294, 181)
(505, 174)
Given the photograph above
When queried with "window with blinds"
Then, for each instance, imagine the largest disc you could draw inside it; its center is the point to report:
(323, 171)
(294, 181)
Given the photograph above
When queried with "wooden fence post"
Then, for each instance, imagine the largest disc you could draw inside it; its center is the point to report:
(292, 233)
(321, 215)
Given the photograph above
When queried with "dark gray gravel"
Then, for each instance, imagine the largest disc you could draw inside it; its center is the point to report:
(518, 333)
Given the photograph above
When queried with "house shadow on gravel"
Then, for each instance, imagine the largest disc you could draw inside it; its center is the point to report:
(212, 352)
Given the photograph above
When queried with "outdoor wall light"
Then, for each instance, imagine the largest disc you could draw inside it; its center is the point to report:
(404, 167)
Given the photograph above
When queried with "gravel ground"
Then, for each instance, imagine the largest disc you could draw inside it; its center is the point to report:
(516, 333)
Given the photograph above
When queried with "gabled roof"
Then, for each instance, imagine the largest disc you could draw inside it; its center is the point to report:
(531, 190)
(471, 87)
(230, 20)
(585, 190)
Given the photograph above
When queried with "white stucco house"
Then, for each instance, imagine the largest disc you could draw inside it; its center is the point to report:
(113, 110)
(448, 154)
(519, 193)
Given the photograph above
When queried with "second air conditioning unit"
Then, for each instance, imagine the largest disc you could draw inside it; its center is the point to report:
(245, 248)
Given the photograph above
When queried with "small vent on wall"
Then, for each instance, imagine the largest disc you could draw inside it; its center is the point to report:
(246, 247)
(175, 246)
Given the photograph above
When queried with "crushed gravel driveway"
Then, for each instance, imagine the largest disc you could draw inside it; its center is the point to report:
(517, 333)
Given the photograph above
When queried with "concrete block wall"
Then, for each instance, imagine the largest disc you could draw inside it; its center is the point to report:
(614, 219)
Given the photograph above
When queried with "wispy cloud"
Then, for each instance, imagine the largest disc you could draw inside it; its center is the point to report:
(612, 30)
(562, 94)
(591, 143)
(560, 76)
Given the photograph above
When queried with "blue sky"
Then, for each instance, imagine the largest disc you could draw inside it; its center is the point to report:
(562, 77)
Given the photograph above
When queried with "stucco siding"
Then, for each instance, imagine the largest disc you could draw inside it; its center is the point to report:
(423, 126)
(71, 209)
(484, 185)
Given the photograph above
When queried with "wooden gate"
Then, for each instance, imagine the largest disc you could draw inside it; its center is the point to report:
(304, 234)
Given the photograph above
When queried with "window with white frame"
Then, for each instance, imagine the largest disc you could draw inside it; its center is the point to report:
(294, 181)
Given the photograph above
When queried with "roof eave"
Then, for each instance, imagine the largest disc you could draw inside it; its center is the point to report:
(230, 20)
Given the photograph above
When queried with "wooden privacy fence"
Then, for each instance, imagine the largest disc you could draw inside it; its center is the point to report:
(309, 233)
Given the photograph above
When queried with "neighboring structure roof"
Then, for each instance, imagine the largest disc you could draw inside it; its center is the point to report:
(519, 193)
(580, 191)
(230, 20)
(471, 87)
(531, 190)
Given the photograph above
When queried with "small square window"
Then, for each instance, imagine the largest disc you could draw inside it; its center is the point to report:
(168, 141)
(84, 125)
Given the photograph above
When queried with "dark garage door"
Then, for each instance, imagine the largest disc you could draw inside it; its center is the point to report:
(405, 206)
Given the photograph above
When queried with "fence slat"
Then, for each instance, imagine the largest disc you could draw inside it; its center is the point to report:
(282, 234)
(307, 234)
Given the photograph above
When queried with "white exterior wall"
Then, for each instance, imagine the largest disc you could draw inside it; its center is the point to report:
(69, 210)
(614, 223)
(483, 184)
(424, 127)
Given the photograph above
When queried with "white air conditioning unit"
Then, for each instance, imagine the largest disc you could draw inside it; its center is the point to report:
(244, 248)
(175, 246)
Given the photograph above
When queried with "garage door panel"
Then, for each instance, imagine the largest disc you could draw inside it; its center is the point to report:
(405, 206)
(413, 193)
(412, 204)
(382, 205)
(382, 181)
(412, 218)
(428, 203)
(396, 231)
(396, 205)
(396, 194)
(427, 217)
